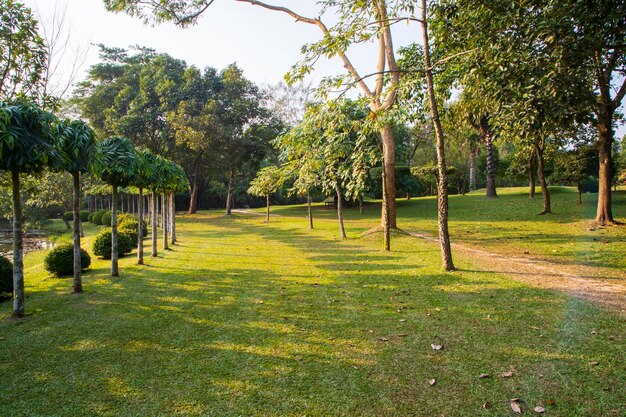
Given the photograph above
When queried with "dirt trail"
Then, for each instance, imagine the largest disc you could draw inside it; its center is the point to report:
(607, 288)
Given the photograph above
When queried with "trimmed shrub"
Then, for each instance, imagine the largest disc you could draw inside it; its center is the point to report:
(90, 217)
(84, 215)
(6, 275)
(60, 260)
(106, 219)
(130, 224)
(68, 216)
(102, 244)
(97, 217)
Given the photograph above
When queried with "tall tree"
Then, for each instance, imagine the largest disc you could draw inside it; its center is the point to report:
(27, 144)
(77, 143)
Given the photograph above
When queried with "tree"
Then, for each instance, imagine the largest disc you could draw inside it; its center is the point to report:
(27, 144)
(144, 178)
(576, 165)
(22, 52)
(119, 167)
(77, 143)
(267, 182)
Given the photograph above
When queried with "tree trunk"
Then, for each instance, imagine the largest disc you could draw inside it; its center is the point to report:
(140, 227)
(340, 211)
(442, 198)
(487, 136)
(229, 193)
(267, 200)
(164, 220)
(604, 213)
(114, 259)
(308, 200)
(386, 221)
(361, 208)
(172, 218)
(18, 249)
(389, 177)
(78, 284)
(68, 226)
(542, 180)
(531, 173)
(472, 170)
(193, 197)
(154, 224)
(580, 192)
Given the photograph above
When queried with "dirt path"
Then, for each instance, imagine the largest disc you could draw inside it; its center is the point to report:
(607, 288)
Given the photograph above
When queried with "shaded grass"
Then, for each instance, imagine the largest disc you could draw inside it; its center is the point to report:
(248, 318)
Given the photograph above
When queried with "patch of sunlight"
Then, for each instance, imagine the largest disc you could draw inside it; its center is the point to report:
(141, 345)
(119, 387)
(536, 353)
(175, 299)
(236, 386)
(83, 345)
(185, 407)
(41, 376)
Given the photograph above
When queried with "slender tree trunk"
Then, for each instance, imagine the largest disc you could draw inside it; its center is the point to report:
(487, 135)
(361, 208)
(542, 180)
(389, 178)
(472, 170)
(308, 200)
(442, 198)
(580, 192)
(164, 220)
(342, 230)
(154, 223)
(114, 258)
(193, 196)
(604, 213)
(78, 283)
(18, 249)
(229, 194)
(140, 227)
(531, 173)
(267, 201)
(172, 218)
(386, 222)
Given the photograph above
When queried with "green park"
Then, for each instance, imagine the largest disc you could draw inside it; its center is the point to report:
(422, 214)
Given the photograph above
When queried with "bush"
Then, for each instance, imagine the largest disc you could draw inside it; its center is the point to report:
(60, 260)
(84, 215)
(106, 219)
(90, 217)
(102, 244)
(97, 217)
(68, 216)
(6, 275)
(130, 224)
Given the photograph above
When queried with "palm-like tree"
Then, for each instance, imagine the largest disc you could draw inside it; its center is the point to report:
(77, 142)
(119, 168)
(27, 144)
(145, 178)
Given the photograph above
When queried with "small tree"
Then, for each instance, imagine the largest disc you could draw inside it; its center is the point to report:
(119, 168)
(77, 143)
(27, 145)
(267, 182)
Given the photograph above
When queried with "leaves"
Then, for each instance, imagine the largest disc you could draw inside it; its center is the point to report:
(436, 347)
(432, 381)
(539, 409)
(515, 406)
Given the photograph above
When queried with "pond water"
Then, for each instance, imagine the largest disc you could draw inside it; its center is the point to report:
(33, 240)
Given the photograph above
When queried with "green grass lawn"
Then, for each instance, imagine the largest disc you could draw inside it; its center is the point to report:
(248, 318)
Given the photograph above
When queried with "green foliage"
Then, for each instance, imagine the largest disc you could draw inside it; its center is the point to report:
(23, 52)
(84, 215)
(90, 217)
(68, 216)
(106, 218)
(267, 181)
(406, 182)
(97, 217)
(102, 244)
(77, 142)
(6, 275)
(130, 224)
(119, 162)
(60, 260)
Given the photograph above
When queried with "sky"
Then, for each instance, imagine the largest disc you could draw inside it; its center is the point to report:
(265, 44)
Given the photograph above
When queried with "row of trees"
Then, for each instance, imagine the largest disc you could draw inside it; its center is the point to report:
(33, 140)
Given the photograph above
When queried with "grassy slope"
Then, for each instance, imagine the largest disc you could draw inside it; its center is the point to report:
(509, 224)
(246, 318)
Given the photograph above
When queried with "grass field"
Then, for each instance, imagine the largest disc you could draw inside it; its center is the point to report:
(248, 318)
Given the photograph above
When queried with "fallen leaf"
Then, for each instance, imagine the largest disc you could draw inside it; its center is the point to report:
(487, 405)
(436, 347)
(483, 376)
(594, 332)
(432, 381)
(594, 363)
(515, 406)
(539, 409)
(383, 339)
(507, 374)
(550, 402)
(402, 320)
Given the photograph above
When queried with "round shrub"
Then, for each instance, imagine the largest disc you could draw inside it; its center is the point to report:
(60, 260)
(130, 224)
(97, 217)
(106, 219)
(84, 215)
(6, 275)
(90, 217)
(68, 216)
(102, 244)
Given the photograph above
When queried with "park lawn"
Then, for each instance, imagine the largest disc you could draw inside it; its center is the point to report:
(248, 318)
(510, 224)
